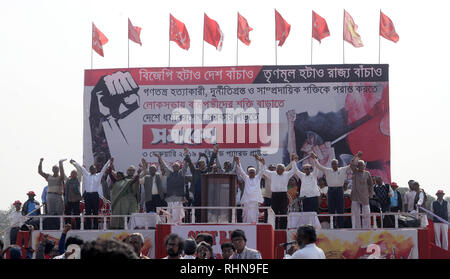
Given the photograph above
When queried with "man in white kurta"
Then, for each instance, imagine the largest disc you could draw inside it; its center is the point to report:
(252, 195)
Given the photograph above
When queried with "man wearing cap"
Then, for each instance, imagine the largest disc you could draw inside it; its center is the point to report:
(396, 199)
(30, 205)
(242, 251)
(16, 219)
(440, 208)
(252, 192)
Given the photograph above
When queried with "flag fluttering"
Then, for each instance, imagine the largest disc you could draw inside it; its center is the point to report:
(98, 40)
(243, 30)
(282, 28)
(387, 29)
(212, 33)
(134, 33)
(178, 33)
(319, 27)
(350, 28)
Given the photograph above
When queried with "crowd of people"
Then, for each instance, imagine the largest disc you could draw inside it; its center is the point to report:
(295, 187)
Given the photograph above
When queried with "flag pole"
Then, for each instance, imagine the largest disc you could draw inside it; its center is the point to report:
(170, 27)
(343, 41)
(237, 41)
(128, 53)
(312, 27)
(92, 33)
(276, 62)
(203, 45)
(379, 38)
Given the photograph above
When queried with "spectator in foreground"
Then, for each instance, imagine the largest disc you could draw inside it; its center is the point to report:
(174, 246)
(136, 240)
(107, 249)
(242, 251)
(190, 247)
(65, 242)
(227, 250)
(440, 208)
(204, 251)
(306, 240)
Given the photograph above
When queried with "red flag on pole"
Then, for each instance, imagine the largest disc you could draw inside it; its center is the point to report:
(134, 33)
(387, 29)
(350, 28)
(319, 27)
(98, 40)
(212, 33)
(243, 30)
(282, 28)
(178, 33)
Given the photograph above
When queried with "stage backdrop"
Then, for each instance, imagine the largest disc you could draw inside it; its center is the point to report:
(333, 110)
(354, 244)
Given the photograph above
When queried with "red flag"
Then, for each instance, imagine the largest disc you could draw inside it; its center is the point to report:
(282, 28)
(212, 33)
(350, 28)
(98, 40)
(243, 30)
(387, 29)
(178, 33)
(134, 33)
(319, 27)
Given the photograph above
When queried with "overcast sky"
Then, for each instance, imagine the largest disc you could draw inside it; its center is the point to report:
(46, 45)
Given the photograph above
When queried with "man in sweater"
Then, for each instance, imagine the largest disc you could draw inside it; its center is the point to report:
(440, 208)
(55, 203)
(362, 190)
(152, 188)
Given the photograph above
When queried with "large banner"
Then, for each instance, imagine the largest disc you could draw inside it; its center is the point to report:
(149, 237)
(220, 234)
(333, 110)
(370, 244)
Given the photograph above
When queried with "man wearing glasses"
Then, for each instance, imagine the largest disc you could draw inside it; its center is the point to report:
(242, 251)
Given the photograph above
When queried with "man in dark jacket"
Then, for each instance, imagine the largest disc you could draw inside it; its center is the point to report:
(152, 186)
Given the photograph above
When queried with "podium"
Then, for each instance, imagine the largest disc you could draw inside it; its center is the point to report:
(218, 190)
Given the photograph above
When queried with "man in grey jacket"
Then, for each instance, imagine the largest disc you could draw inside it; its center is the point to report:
(242, 251)
(153, 193)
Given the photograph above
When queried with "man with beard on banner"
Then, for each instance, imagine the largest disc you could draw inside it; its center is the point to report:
(252, 192)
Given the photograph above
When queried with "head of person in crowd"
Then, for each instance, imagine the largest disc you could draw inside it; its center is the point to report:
(292, 183)
(440, 195)
(394, 186)
(120, 175)
(379, 180)
(251, 172)
(204, 251)
(152, 170)
(214, 168)
(272, 167)
(411, 184)
(239, 240)
(31, 195)
(107, 249)
(227, 250)
(93, 169)
(176, 167)
(280, 169)
(174, 246)
(55, 170)
(335, 164)
(131, 171)
(307, 169)
(416, 186)
(361, 165)
(18, 205)
(206, 237)
(201, 165)
(49, 249)
(322, 182)
(190, 247)
(73, 174)
(15, 253)
(136, 240)
(227, 166)
(306, 234)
